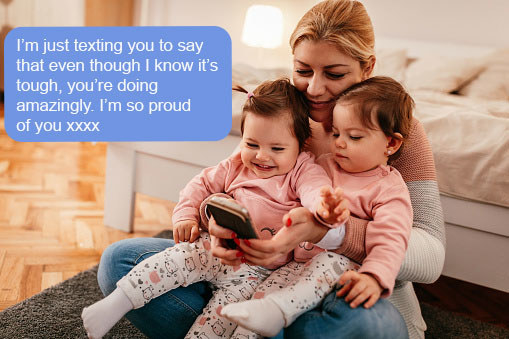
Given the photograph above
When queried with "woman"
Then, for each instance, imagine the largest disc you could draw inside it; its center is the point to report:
(333, 47)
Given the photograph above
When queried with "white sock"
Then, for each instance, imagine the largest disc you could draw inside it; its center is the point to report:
(100, 317)
(262, 316)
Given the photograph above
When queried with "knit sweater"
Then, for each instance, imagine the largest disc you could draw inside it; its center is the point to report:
(425, 255)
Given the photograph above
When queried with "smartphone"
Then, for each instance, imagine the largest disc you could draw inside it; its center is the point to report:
(232, 216)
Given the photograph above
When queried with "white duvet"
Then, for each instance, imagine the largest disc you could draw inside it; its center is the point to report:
(470, 142)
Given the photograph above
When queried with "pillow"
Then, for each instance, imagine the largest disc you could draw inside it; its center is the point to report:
(391, 63)
(493, 82)
(442, 74)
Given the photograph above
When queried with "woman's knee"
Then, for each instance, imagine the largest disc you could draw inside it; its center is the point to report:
(335, 318)
(108, 271)
(120, 257)
(380, 321)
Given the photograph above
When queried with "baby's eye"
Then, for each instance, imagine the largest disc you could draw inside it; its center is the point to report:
(355, 138)
(335, 135)
(278, 149)
(251, 145)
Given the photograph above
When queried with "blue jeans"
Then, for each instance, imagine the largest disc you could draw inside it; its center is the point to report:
(173, 313)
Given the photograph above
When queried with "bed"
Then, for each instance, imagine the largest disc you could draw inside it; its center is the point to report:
(462, 99)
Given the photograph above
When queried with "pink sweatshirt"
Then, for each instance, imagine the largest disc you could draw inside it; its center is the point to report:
(267, 200)
(380, 196)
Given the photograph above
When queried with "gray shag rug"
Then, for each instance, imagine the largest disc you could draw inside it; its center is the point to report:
(55, 313)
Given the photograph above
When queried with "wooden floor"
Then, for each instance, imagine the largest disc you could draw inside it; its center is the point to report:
(51, 214)
(469, 300)
(51, 226)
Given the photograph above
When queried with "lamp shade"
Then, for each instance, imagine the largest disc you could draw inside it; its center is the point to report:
(263, 26)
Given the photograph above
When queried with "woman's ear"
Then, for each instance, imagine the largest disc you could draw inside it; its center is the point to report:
(394, 143)
(368, 68)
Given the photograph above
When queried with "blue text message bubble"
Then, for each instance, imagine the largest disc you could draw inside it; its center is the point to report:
(118, 83)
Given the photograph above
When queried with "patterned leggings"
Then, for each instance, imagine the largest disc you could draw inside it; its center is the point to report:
(299, 287)
(187, 263)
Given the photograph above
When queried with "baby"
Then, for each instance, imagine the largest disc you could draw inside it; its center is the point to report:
(269, 176)
(370, 121)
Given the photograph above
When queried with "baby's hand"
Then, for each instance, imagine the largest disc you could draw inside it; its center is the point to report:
(333, 207)
(361, 287)
(186, 230)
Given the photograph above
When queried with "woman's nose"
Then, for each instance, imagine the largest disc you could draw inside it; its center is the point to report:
(316, 86)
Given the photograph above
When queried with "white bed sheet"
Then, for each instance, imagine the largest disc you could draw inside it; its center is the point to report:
(470, 142)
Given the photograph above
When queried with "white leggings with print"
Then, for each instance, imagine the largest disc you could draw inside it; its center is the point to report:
(299, 287)
(187, 263)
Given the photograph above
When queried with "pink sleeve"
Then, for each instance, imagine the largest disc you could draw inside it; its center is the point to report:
(311, 177)
(210, 180)
(387, 236)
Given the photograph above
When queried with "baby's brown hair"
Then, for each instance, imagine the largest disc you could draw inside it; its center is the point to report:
(383, 99)
(270, 98)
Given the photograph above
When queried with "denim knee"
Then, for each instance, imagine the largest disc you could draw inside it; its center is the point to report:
(120, 257)
(336, 319)
(107, 271)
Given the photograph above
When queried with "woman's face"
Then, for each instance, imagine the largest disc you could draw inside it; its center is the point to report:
(322, 72)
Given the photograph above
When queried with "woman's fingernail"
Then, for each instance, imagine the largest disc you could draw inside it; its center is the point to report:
(289, 222)
(234, 235)
(247, 242)
(243, 260)
(237, 241)
(239, 254)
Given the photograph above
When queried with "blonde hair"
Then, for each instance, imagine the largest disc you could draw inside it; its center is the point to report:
(343, 23)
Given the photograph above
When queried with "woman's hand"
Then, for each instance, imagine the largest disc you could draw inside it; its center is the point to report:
(358, 288)
(219, 249)
(301, 226)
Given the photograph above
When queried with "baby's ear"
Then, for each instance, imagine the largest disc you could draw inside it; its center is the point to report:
(394, 143)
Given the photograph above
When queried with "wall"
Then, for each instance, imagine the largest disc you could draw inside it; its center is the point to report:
(484, 23)
(44, 13)
(109, 13)
(17, 13)
(229, 14)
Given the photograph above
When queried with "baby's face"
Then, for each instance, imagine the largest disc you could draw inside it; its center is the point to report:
(355, 147)
(268, 146)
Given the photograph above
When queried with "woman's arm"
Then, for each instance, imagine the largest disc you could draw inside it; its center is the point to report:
(425, 256)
